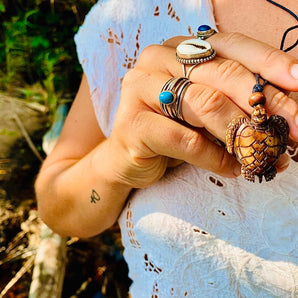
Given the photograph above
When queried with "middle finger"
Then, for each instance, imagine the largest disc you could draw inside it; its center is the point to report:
(202, 106)
(228, 76)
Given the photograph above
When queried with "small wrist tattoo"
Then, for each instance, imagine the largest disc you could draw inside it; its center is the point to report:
(94, 197)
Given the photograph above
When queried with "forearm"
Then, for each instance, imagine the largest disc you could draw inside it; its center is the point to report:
(81, 197)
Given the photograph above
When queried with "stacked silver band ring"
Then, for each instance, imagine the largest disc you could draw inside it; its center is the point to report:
(171, 95)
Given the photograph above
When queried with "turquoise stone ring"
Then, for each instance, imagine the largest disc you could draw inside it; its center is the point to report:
(171, 95)
(166, 97)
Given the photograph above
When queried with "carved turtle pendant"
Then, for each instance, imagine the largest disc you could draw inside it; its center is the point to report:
(257, 143)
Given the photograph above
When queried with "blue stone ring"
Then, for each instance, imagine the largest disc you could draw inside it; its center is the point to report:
(167, 97)
(171, 96)
(205, 31)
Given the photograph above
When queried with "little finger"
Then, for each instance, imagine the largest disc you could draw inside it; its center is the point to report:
(169, 138)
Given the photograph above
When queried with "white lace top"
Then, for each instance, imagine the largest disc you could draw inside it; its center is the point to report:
(192, 234)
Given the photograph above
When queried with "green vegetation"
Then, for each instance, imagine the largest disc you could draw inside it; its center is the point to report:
(38, 59)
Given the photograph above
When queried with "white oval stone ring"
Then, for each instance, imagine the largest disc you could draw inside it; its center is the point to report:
(194, 49)
(194, 52)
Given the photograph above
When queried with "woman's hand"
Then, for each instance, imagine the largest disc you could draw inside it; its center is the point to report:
(84, 182)
(143, 139)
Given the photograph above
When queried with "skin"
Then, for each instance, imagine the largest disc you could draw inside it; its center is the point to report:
(276, 21)
(83, 184)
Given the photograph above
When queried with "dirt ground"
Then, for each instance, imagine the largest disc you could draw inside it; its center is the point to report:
(94, 267)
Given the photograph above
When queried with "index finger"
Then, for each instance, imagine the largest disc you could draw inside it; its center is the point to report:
(280, 68)
(274, 65)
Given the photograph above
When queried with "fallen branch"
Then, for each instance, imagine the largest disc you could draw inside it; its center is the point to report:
(49, 267)
(27, 137)
(25, 268)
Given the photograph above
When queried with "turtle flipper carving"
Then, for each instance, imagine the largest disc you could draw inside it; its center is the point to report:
(281, 125)
(259, 142)
(231, 132)
(247, 174)
(270, 173)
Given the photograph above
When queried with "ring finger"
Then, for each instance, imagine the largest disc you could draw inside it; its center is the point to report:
(228, 76)
(202, 106)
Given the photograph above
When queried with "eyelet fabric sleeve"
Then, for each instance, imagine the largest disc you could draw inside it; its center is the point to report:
(115, 32)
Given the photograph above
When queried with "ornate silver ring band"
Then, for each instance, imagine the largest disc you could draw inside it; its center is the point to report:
(195, 61)
(171, 96)
(194, 52)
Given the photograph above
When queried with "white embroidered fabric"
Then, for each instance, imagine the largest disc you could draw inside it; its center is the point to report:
(193, 233)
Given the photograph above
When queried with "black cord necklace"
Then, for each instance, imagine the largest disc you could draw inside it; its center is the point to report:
(259, 86)
(258, 142)
(289, 29)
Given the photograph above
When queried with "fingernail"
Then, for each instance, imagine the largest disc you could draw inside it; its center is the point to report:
(294, 71)
(284, 161)
(237, 170)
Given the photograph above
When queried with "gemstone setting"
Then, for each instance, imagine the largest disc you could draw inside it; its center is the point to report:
(193, 49)
(167, 97)
(203, 28)
(205, 31)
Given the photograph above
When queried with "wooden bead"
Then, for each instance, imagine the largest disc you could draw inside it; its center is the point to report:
(256, 98)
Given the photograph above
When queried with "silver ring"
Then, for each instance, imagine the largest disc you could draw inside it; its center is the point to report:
(205, 31)
(194, 52)
(196, 60)
(171, 95)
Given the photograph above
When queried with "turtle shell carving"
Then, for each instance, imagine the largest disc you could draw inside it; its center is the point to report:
(257, 143)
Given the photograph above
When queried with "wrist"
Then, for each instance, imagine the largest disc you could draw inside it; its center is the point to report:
(127, 168)
(109, 165)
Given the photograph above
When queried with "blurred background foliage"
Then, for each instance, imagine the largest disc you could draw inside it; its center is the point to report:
(38, 63)
(38, 59)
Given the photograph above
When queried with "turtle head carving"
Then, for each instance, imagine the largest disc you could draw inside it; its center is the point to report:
(259, 116)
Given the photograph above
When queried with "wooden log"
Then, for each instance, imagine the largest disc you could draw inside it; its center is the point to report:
(22, 126)
(50, 262)
(49, 266)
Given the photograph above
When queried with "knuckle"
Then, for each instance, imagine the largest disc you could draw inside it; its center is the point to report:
(278, 101)
(133, 77)
(191, 142)
(210, 103)
(207, 102)
(271, 55)
(232, 38)
(129, 78)
(229, 68)
(148, 55)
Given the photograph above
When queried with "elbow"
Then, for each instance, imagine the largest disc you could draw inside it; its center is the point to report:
(61, 211)
(48, 208)
(57, 212)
